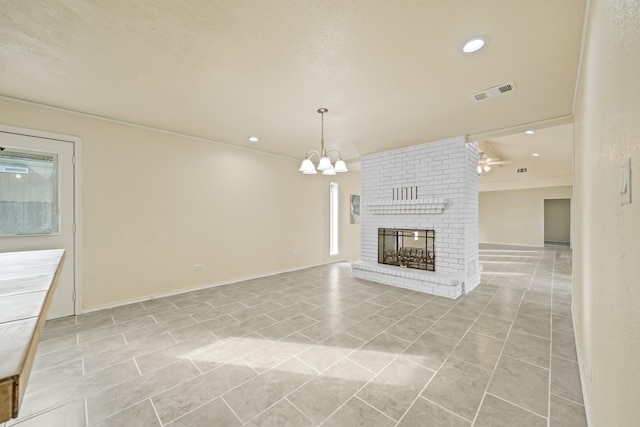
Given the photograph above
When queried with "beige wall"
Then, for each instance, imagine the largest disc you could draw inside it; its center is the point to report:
(557, 220)
(515, 216)
(155, 204)
(606, 300)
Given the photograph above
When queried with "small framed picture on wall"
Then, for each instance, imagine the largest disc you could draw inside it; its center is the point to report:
(354, 209)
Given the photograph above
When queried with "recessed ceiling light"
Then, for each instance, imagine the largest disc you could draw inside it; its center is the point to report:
(253, 139)
(529, 132)
(535, 155)
(473, 45)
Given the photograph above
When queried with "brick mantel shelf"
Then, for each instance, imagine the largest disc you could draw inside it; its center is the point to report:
(404, 207)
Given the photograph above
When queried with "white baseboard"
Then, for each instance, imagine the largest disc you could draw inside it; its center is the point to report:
(582, 369)
(201, 287)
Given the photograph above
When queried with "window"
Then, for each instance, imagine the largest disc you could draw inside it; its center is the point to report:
(333, 219)
(28, 193)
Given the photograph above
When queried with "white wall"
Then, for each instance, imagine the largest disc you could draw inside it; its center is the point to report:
(155, 204)
(515, 216)
(606, 302)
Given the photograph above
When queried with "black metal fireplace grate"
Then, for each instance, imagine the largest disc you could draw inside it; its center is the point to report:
(407, 248)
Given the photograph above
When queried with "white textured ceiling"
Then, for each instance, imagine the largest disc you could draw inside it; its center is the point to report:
(391, 73)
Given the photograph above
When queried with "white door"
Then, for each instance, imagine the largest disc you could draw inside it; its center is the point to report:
(37, 205)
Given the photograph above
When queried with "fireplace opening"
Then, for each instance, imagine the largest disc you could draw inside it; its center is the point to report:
(407, 248)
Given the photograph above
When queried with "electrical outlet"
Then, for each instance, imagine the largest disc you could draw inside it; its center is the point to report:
(292, 252)
(198, 267)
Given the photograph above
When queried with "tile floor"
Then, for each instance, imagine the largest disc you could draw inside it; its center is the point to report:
(318, 347)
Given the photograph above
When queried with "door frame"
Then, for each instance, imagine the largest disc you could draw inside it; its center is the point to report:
(77, 199)
(570, 198)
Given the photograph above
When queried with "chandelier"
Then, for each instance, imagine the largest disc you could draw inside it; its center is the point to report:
(324, 163)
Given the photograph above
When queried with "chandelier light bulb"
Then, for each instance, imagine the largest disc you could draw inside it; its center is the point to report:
(324, 164)
(330, 171)
(341, 166)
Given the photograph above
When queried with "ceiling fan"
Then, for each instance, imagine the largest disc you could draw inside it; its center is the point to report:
(485, 162)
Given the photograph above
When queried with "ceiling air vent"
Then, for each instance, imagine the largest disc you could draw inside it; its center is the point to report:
(494, 91)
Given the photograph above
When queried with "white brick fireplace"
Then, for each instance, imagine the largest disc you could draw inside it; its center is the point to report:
(430, 186)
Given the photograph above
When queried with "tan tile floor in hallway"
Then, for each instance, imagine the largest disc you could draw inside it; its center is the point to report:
(318, 347)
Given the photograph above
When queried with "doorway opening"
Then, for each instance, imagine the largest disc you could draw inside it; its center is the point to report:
(557, 222)
(40, 204)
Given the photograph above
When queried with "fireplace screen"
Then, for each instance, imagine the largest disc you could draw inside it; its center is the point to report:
(407, 248)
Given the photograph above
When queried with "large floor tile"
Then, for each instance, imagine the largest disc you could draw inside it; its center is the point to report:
(244, 327)
(479, 350)
(359, 312)
(291, 310)
(180, 351)
(394, 389)
(228, 350)
(386, 298)
(191, 394)
(259, 393)
(182, 312)
(563, 324)
(57, 344)
(535, 309)
(357, 413)
(324, 329)
(277, 352)
(397, 310)
(214, 413)
(424, 413)
(121, 396)
(430, 350)
(537, 297)
(78, 351)
(565, 379)
(468, 308)
(528, 348)
(377, 353)
(70, 389)
(565, 413)
(329, 351)
(212, 312)
(410, 328)
(431, 310)
(458, 386)
(495, 412)
(257, 310)
(287, 327)
(140, 415)
(370, 327)
(532, 325)
(158, 328)
(69, 415)
(491, 326)
(282, 414)
(109, 357)
(521, 383)
(563, 345)
(502, 309)
(204, 327)
(119, 328)
(321, 396)
(451, 326)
